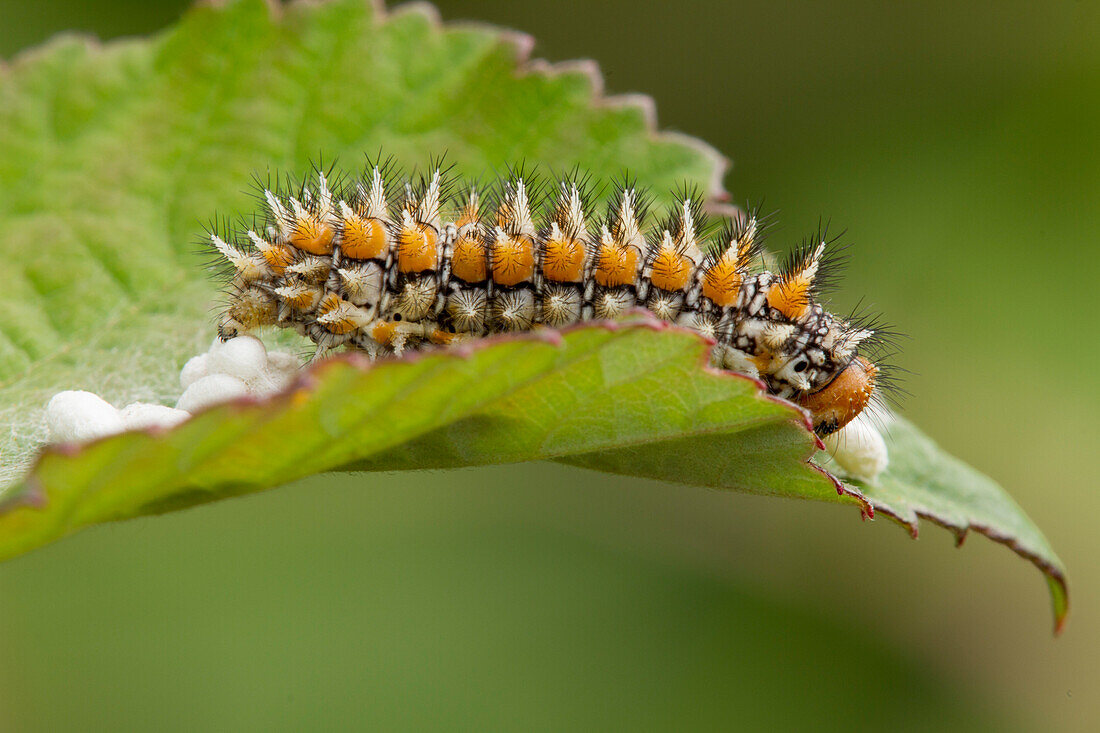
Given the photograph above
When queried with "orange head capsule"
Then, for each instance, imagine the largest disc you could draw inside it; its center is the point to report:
(837, 404)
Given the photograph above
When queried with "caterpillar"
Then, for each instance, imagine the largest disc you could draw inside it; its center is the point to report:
(385, 263)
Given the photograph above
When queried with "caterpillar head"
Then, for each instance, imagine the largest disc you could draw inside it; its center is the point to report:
(837, 404)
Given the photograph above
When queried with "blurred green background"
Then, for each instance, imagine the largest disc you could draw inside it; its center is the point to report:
(959, 145)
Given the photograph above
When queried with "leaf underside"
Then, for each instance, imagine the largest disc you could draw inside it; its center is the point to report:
(115, 153)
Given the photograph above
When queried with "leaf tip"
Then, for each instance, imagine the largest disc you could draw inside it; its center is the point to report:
(1059, 597)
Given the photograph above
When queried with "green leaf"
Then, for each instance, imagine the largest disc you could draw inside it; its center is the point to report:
(595, 390)
(114, 155)
(923, 481)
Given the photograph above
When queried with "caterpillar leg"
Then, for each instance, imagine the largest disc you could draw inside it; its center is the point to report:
(727, 357)
(401, 335)
(318, 354)
(449, 338)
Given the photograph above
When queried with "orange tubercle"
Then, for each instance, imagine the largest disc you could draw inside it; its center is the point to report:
(364, 239)
(469, 214)
(791, 297)
(722, 282)
(302, 298)
(513, 260)
(310, 235)
(616, 265)
(563, 261)
(342, 326)
(670, 270)
(417, 249)
(278, 258)
(842, 399)
(469, 261)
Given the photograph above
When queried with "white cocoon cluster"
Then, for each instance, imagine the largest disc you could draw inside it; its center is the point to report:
(210, 390)
(140, 415)
(77, 415)
(234, 368)
(228, 370)
(244, 357)
(859, 449)
(194, 370)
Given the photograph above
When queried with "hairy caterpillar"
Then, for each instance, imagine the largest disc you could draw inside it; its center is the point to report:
(385, 264)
